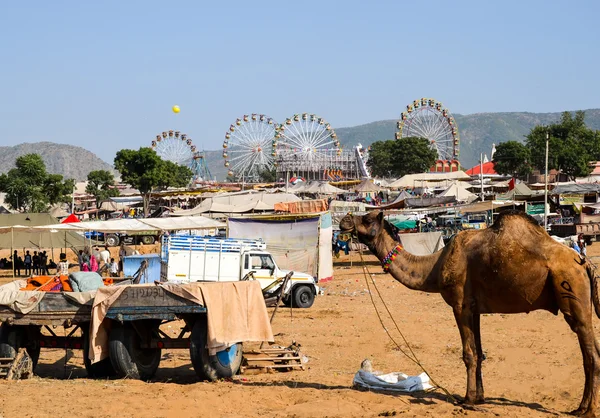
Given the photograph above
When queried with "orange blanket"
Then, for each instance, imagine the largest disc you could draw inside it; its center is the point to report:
(46, 283)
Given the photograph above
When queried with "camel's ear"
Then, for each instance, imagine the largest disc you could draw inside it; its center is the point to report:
(380, 216)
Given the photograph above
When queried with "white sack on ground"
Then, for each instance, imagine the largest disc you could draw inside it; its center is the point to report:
(395, 381)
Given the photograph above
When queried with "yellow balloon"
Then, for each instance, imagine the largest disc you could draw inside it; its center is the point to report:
(176, 109)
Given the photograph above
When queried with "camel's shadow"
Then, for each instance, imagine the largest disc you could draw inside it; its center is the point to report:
(417, 398)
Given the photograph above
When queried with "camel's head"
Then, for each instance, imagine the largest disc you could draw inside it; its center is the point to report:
(365, 227)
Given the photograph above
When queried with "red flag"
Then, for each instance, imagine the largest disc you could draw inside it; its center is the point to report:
(511, 184)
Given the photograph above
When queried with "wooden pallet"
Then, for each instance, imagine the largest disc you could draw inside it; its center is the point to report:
(19, 367)
(270, 360)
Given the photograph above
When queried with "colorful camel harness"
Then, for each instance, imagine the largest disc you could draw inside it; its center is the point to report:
(389, 259)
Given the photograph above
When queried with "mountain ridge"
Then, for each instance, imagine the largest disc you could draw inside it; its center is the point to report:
(70, 161)
(478, 131)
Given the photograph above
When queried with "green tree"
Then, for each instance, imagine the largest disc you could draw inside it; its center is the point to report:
(147, 172)
(396, 158)
(268, 176)
(571, 145)
(512, 158)
(101, 185)
(29, 187)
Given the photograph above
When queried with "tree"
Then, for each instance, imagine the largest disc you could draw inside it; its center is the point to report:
(268, 176)
(146, 171)
(30, 188)
(512, 158)
(101, 185)
(571, 145)
(396, 158)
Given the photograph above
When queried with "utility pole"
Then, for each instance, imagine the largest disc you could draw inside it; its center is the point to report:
(481, 176)
(546, 184)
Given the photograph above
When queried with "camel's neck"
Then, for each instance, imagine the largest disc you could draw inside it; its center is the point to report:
(414, 272)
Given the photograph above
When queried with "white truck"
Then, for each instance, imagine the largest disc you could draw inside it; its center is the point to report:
(190, 258)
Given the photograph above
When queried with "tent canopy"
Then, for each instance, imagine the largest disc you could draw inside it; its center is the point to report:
(419, 180)
(72, 218)
(26, 230)
(367, 186)
(461, 194)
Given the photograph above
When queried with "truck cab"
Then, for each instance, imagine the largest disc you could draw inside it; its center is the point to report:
(301, 289)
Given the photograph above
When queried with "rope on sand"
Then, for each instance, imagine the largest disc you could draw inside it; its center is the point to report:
(411, 356)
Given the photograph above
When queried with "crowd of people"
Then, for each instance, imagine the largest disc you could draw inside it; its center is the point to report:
(28, 264)
(100, 261)
(36, 263)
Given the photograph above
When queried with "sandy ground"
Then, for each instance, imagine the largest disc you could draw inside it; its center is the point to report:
(533, 366)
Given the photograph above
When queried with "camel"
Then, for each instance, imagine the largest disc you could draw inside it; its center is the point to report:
(512, 267)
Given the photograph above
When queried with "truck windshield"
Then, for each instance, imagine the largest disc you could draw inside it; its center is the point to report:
(262, 262)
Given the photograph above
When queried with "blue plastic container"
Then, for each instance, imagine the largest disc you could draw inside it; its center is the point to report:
(131, 264)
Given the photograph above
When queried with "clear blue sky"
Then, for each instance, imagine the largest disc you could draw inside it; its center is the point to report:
(104, 74)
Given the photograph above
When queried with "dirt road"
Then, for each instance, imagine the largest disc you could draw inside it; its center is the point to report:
(533, 366)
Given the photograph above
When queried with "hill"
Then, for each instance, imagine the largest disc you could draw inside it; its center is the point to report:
(68, 160)
(477, 131)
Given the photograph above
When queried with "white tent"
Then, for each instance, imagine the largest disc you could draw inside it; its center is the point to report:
(461, 194)
(129, 225)
(422, 179)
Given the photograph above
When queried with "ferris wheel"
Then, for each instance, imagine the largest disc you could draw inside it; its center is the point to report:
(308, 137)
(249, 146)
(427, 118)
(176, 147)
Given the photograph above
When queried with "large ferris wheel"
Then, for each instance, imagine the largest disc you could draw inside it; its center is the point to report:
(428, 118)
(306, 136)
(249, 146)
(178, 148)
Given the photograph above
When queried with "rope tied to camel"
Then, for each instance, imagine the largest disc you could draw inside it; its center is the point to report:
(411, 356)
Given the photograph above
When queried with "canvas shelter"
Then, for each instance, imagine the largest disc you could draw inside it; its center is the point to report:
(422, 243)
(299, 242)
(461, 194)
(428, 179)
(19, 230)
(367, 186)
(239, 203)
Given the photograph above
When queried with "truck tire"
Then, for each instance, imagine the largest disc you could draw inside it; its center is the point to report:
(148, 240)
(99, 370)
(302, 297)
(126, 356)
(223, 364)
(111, 240)
(14, 337)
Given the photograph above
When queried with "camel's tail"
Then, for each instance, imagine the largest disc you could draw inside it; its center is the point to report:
(591, 271)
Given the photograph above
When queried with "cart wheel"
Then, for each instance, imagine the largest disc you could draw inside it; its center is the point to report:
(302, 297)
(98, 370)
(126, 356)
(14, 337)
(111, 240)
(222, 365)
(148, 240)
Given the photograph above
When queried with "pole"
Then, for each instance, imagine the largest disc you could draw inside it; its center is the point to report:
(481, 176)
(12, 244)
(546, 185)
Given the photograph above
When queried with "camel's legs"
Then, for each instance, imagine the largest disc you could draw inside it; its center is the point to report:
(477, 331)
(574, 302)
(464, 320)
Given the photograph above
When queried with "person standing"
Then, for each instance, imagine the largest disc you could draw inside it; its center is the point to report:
(27, 260)
(36, 263)
(63, 266)
(113, 268)
(122, 254)
(44, 263)
(582, 245)
(105, 255)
